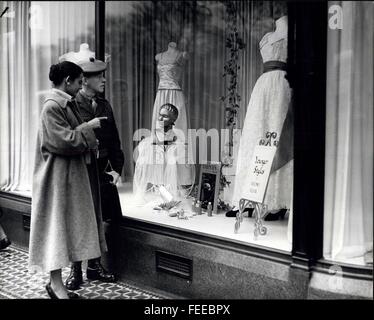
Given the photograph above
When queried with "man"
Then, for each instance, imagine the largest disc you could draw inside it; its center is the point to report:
(110, 160)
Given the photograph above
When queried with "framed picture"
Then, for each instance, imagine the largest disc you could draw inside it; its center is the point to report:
(209, 184)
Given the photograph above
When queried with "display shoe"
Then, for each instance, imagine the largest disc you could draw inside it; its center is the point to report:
(75, 278)
(232, 213)
(53, 295)
(97, 272)
(273, 216)
(5, 243)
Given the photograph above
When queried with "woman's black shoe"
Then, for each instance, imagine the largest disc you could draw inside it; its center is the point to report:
(54, 296)
(276, 215)
(232, 213)
(4, 243)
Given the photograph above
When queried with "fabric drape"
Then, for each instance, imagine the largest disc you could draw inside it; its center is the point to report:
(137, 31)
(32, 36)
(348, 223)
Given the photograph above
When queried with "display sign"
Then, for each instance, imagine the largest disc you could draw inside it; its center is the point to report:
(259, 172)
(209, 184)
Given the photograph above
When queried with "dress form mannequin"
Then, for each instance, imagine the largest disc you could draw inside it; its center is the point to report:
(273, 46)
(171, 53)
(281, 30)
(266, 112)
(170, 67)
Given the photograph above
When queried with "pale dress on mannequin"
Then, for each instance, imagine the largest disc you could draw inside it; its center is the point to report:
(170, 66)
(266, 112)
(159, 164)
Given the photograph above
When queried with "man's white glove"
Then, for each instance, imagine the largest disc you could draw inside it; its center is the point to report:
(115, 176)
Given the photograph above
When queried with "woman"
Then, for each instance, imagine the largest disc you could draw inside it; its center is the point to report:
(64, 219)
(162, 157)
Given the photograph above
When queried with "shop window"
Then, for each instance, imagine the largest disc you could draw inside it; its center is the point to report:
(348, 223)
(177, 52)
(32, 35)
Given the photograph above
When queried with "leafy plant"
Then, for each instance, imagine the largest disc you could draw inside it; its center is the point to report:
(231, 68)
(231, 99)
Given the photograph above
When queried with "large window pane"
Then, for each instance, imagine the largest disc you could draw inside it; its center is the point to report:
(348, 227)
(138, 35)
(33, 35)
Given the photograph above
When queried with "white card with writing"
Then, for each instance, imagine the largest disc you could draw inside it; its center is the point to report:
(259, 173)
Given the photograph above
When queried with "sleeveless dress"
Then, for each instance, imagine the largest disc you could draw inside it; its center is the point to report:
(267, 110)
(165, 165)
(169, 91)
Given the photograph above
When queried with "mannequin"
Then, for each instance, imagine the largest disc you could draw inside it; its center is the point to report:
(171, 53)
(170, 65)
(270, 39)
(161, 157)
(268, 110)
(281, 30)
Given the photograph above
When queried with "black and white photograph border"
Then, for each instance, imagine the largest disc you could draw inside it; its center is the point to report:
(129, 72)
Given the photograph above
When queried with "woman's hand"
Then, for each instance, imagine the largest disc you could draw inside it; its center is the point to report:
(96, 122)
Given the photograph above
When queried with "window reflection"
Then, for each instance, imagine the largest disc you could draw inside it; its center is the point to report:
(174, 52)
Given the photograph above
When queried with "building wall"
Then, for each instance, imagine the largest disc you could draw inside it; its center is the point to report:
(217, 272)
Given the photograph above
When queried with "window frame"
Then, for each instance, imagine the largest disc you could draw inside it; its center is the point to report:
(307, 75)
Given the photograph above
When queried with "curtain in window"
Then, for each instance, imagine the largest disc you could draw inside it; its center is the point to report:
(348, 229)
(32, 35)
(137, 30)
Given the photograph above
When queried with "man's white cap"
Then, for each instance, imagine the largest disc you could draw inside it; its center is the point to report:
(85, 58)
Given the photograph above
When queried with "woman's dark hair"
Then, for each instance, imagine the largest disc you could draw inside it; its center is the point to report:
(172, 108)
(62, 70)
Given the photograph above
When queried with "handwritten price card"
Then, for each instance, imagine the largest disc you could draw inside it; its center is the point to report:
(260, 167)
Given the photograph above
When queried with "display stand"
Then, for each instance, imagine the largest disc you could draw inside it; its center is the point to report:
(260, 209)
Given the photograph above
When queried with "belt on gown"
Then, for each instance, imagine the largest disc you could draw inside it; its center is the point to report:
(274, 65)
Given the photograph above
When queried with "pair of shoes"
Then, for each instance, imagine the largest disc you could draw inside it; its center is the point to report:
(75, 278)
(97, 272)
(232, 213)
(53, 295)
(276, 215)
(5, 243)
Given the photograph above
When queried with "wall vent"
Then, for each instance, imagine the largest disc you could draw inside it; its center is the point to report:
(26, 219)
(174, 264)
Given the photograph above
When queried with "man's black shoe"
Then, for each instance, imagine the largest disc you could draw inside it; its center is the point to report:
(4, 243)
(97, 272)
(75, 278)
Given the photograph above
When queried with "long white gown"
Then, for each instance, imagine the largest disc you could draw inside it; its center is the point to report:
(170, 91)
(267, 110)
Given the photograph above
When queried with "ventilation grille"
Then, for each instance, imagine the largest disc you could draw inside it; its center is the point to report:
(174, 264)
(26, 222)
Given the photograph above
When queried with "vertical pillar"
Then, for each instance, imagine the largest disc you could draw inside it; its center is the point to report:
(100, 29)
(308, 49)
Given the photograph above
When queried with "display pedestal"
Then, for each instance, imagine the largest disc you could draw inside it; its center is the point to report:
(259, 213)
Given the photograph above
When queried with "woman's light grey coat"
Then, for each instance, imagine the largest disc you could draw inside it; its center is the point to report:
(66, 226)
